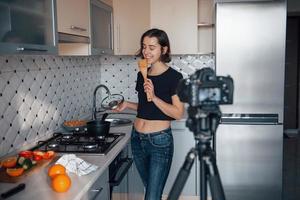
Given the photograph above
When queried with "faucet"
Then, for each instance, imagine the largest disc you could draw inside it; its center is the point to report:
(94, 99)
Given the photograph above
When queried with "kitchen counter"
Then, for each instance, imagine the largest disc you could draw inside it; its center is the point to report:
(38, 183)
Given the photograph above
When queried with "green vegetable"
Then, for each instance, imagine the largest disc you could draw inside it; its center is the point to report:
(27, 164)
(21, 160)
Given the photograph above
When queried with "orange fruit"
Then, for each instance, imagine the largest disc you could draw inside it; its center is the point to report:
(56, 170)
(15, 171)
(61, 183)
(9, 162)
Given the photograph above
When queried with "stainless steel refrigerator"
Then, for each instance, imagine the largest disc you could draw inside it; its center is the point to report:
(250, 46)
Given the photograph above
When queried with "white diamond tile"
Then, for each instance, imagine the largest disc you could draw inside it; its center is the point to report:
(10, 136)
(29, 63)
(8, 92)
(3, 105)
(41, 62)
(4, 148)
(17, 121)
(29, 118)
(132, 94)
(19, 141)
(10, 114)
(28, 79)
(22, 91)
(4, 127)
(15, 82)
(16, 102)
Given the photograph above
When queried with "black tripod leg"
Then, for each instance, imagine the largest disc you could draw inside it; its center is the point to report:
(214, 179)
(182, 176)
(203, 179)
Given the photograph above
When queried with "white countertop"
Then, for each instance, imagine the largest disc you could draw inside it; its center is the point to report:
(38, 183)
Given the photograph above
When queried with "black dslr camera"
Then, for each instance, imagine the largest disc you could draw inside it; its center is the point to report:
(204, 92)
(205, 89)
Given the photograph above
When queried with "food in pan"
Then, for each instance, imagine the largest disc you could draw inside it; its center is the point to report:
(75, 123)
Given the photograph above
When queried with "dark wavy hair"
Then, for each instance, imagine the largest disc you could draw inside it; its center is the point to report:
(163, 40)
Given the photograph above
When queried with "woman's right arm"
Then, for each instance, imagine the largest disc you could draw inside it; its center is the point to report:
(127, 104)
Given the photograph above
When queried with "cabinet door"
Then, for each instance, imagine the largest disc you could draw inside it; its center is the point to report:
(120, 192)
(27, 26)
(183, 142)
(101, 22)
(179, 19)
(73, 17)
(100, 189)
(131, 20)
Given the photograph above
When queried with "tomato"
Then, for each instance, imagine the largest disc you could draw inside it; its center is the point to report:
(26, 154)
(39, 153)
(9, 162)
(37, 157)
(49, 155)
(15, 171)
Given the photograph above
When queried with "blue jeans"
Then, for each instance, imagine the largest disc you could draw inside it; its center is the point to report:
(152, 155)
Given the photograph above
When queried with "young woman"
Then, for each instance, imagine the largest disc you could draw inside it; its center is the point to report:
(151, 139)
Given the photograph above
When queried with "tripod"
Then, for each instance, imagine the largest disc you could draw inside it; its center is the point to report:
(203, 122)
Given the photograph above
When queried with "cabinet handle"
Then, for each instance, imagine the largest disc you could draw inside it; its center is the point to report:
(118, 32)
(77, 28)
(98, 191)
(110, 36)
(29, 49)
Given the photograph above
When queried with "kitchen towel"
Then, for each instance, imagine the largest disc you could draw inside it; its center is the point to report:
(76, 165)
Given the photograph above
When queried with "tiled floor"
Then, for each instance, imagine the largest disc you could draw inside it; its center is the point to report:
(291, 168)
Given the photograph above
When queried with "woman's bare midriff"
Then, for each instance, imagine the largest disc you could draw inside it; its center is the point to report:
(150, 126)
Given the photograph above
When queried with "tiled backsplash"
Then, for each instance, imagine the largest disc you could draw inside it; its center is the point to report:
(37, 93)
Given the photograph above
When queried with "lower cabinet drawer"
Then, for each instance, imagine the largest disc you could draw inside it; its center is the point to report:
(100, 189)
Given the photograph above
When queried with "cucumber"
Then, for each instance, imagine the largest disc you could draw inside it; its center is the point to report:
(27, 164)
(21, 160)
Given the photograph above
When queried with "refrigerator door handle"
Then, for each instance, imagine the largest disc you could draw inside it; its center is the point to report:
(250, 119)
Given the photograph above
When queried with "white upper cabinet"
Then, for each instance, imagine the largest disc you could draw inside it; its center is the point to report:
(131, 20)
(73, 17)
(179, 19)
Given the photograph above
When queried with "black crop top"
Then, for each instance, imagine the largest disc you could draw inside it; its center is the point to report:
(165, 86)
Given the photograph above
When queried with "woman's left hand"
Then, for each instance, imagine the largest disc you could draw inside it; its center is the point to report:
(149, 88)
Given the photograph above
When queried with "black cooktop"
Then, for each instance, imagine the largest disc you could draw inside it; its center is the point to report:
(79, 143)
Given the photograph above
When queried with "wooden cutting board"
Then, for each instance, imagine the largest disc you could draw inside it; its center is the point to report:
(5, 178)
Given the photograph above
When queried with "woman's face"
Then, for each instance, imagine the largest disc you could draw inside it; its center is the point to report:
(151, 49)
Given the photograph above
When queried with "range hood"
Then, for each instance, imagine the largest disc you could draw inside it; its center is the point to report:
(70, 38)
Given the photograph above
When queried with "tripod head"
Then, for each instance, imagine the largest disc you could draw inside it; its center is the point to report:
(203, 121)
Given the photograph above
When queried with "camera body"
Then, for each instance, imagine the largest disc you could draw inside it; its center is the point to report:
(205, 89)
